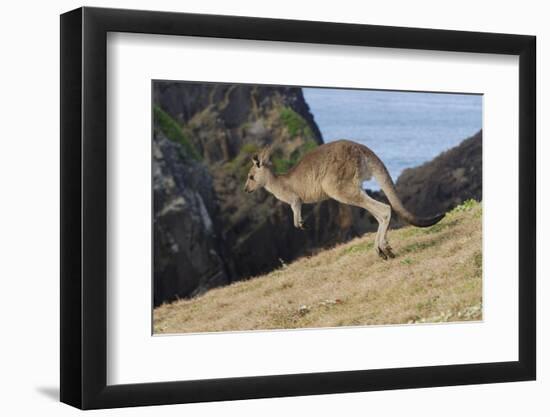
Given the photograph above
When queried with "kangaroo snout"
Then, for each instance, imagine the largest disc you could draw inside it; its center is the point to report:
(247, 188)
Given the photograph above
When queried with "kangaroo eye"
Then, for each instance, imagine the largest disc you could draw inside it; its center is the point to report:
(251, 177)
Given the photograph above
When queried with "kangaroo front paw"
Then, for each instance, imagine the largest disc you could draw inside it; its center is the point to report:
(301, 226)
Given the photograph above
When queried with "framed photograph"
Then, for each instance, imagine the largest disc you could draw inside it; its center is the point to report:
(257, 208)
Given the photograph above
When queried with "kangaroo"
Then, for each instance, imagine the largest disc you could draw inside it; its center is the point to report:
(335, 170)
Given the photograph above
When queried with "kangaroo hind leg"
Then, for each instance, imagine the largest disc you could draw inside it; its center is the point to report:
(382, 213)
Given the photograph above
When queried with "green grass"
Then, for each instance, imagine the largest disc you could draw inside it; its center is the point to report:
(361, 247)
(420, 246)
(173, 131)
(465, 206)
(295, 124)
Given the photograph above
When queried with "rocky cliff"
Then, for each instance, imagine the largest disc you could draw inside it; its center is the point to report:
(444, 182)
(221, 118)
(187, 253)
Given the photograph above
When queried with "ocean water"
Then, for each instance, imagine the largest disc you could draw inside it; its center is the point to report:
(405, 129)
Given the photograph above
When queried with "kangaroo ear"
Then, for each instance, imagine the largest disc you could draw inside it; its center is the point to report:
(256, 161)
(265, 155)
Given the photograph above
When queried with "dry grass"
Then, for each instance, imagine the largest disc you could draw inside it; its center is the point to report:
(435, 277)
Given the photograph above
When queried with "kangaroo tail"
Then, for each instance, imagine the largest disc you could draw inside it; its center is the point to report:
(382, 175)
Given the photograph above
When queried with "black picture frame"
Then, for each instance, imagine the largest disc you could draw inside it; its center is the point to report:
(84, 207)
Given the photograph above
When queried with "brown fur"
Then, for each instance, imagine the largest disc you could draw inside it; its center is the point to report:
(335, 170)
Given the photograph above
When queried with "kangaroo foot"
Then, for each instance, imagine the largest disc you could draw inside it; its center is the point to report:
(381, 253)
(385, 252)
(389, 251)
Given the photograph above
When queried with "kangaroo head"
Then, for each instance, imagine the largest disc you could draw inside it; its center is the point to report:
(259, 173)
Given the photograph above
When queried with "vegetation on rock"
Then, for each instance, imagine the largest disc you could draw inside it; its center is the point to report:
(295, 124)
(173, 131)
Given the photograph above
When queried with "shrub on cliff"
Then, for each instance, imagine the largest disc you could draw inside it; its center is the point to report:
(172, 130)
(295, 124)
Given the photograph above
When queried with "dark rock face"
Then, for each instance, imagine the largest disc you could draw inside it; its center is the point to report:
(446, 181)
(186, 251)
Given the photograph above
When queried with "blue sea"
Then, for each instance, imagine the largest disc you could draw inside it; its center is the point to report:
(405, 129)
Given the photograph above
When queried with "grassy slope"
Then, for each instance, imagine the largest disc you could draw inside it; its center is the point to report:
(435, 277)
